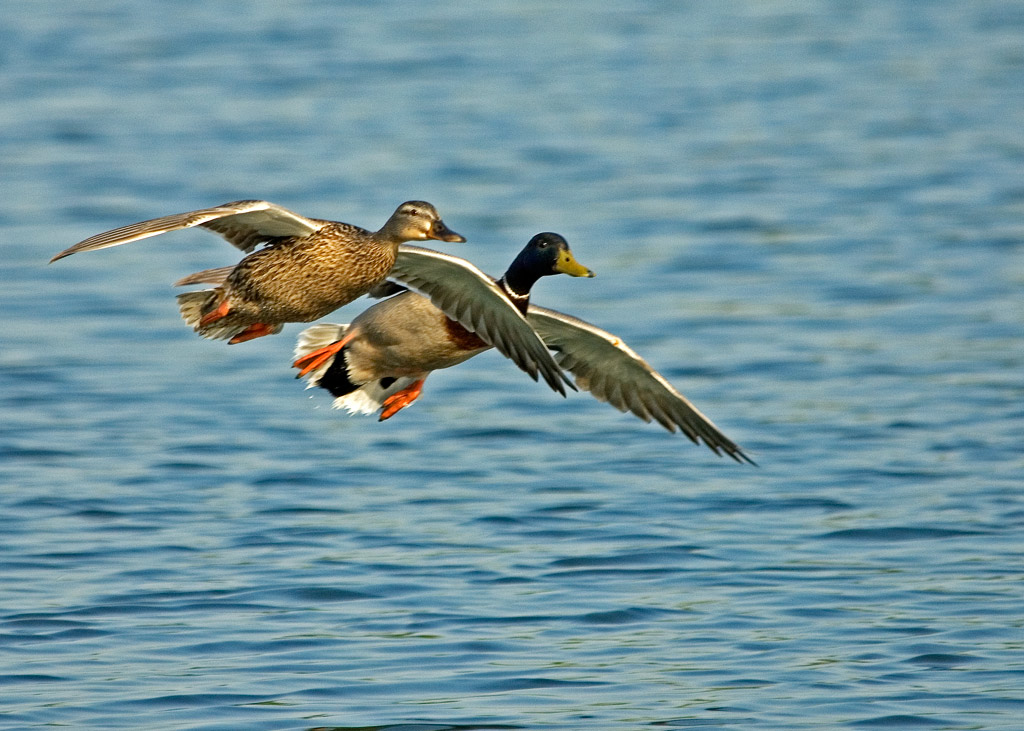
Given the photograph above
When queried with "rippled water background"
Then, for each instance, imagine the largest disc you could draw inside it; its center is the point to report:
(808, 215)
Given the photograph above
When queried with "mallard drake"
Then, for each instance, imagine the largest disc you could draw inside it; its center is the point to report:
(308, 268)
(389, 349)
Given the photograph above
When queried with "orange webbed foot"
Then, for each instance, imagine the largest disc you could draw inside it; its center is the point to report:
(398, 401)
(252, 332)
(315, 359)
(222, 311)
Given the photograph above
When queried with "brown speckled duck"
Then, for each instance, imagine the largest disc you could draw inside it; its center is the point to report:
(380, 361)
(308, 268)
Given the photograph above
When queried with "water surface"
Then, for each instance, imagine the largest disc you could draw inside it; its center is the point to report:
(807, 216)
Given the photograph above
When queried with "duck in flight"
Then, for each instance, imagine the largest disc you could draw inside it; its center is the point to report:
(380, 360)
(306, 269)
(406, 337)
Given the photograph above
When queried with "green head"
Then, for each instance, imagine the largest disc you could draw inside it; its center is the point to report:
(546, 254)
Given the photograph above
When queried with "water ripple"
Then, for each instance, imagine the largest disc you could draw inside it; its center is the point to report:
(805, 216)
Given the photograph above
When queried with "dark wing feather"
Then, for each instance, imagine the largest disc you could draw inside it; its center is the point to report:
(615, 374)
(474, 300)
(244, 224)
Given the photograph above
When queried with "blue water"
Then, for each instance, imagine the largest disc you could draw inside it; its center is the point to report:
(809, 216)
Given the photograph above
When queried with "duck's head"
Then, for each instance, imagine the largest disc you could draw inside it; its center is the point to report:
(545, 254)
(418, 221)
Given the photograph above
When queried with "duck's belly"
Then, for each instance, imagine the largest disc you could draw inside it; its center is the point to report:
(301, 283)
(407, 336)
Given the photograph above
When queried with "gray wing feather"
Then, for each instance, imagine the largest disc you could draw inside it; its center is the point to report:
(615, 374)
(244, 224)
(474, 300)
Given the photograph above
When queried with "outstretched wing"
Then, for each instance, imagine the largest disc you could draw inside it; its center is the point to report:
(244, 224)
(615, 374)
(473, 299)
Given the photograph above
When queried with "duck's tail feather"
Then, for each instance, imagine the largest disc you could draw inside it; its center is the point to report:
(332, 374)
(195, 305)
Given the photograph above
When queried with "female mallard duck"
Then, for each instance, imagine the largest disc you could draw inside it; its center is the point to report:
(310, 267)
(390, 349)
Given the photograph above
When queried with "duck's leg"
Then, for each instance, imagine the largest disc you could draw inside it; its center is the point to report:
(313, 360)
(252, 332)
(213, 315)
(399, 400)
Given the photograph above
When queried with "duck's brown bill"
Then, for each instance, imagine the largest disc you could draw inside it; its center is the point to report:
(440, 232)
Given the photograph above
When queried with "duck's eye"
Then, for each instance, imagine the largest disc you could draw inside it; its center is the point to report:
(413, 212)
(542, 245)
